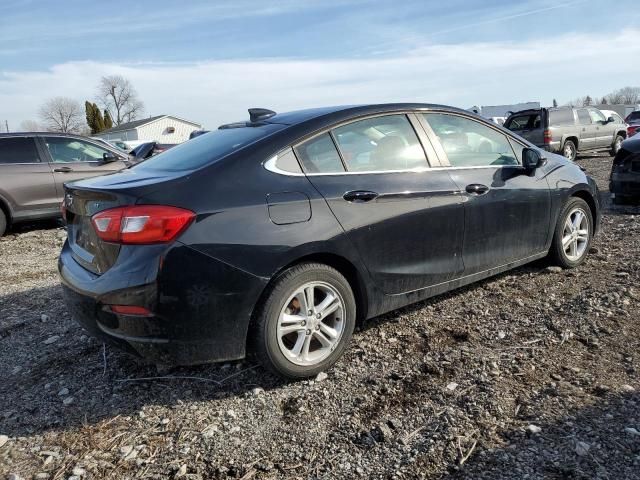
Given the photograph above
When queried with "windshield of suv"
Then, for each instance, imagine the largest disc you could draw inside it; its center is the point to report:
(206, 149)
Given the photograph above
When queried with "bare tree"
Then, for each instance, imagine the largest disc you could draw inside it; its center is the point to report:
(119, 98)
(630, 95)
(30, 126)
(62, 114)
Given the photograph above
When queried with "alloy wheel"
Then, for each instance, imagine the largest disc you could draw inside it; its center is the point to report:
(569, 151)
(575, 236)
(311, 323)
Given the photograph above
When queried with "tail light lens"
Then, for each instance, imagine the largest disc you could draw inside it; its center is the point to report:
(547, 136)
(141, 224)
(631, 131)
(63, 211)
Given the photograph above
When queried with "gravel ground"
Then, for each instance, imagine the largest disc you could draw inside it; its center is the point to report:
(531, 374)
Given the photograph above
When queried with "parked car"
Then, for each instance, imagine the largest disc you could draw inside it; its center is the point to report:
(148, 150)
(276, 234)
(34, 166)
(112, 144)
(624, 181)
(633, 121)
(567, 130)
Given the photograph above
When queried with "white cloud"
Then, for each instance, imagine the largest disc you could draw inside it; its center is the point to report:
(215, 92)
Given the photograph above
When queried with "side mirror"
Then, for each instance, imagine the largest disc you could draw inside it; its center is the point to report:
(109, 157)
(532, 159)
(611, 120)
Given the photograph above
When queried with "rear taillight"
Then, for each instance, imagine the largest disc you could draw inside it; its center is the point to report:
(631, 131)
(546, 135)
(63, 211)
(141, 224)
(130, 310)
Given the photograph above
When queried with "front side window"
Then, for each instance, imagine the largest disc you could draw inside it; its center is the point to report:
(18, 150)
(319, 155)
(65, 150)
(597, 116)
(379, 144)
(583, 117)
(469, 143)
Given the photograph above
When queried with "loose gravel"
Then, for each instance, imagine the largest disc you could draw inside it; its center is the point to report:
(531, 374)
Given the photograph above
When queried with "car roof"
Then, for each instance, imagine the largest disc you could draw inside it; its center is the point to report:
(48, 134)
(347, 111)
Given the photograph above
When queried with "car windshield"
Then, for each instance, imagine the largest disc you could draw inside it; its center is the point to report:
(207, 149)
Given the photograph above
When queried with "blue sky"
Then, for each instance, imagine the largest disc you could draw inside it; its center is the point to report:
(209, 61)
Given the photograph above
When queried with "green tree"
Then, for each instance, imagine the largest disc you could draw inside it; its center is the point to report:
(587, 101)
(94, 117)
(555, 103)
(108, 122)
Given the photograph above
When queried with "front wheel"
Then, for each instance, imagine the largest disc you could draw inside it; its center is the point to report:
(306, 321)
(573, 234)
(570, 150)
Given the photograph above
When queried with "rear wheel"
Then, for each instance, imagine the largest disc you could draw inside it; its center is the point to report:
(569, 150)
(306, 321)
(573, 234)
(3, 223)
(616, 145)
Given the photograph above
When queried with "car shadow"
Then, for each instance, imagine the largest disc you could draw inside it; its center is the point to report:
(24, 227)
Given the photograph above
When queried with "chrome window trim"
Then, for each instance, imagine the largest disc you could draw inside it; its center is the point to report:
(271, 165)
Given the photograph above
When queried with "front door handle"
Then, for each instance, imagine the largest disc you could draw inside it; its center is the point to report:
(360, 196)
(63, 169)
(477, 189)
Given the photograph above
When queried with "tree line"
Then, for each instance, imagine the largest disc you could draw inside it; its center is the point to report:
(116, 102)
(622, 96)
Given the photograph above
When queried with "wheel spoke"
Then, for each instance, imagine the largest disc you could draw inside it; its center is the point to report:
(297, 348)
(577, 220)
(288, 319)
(322, 306)
(574, 248)
(305, 349)
(302, 300)
(326, 342)
(566, 241)
(309, 296)
(332, 333)
(291, 328)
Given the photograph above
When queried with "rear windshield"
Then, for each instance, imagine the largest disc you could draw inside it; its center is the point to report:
(634, 115)
(206, 149)
(526, 121)
(561, 117)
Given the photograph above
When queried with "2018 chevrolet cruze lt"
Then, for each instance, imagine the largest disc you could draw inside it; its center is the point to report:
(275, 235)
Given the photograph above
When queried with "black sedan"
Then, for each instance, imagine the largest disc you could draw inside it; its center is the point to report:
(624, 182)
(276, 234)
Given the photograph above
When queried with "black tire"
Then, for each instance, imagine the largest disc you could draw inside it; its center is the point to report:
(557, 253)
(616, 145)
(263, 337)
(569, 150)
(3, 223)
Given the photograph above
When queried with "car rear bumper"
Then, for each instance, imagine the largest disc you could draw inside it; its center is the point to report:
(201, 307)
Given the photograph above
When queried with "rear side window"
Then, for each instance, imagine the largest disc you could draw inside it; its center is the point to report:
(380, 144)
(583, 117)
(319, 155)
(524, 122)
(207, 149)
(563, 116)
(18, 150)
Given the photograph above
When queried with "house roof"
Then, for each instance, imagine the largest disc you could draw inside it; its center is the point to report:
(138, 123)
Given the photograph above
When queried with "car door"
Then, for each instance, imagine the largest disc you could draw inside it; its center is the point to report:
(72, 158)
(26, 183)
(506, 210)
(405, 219)
(587, 130)
(604, 130)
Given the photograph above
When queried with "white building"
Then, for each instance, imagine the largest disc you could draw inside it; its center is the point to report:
(161, 129)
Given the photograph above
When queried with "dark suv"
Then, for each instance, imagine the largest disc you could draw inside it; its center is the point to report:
(34, 166)
(567, 130)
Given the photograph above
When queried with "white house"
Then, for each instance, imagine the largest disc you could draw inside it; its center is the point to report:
(161, 129)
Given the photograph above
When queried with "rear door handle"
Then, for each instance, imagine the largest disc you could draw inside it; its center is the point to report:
(477, 189)
(63, 169)
(359, 196)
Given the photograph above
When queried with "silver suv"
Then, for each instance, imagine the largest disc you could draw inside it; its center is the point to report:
(34, 166)
(567, 130)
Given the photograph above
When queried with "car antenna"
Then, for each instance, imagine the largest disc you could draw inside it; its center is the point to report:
(257, 114)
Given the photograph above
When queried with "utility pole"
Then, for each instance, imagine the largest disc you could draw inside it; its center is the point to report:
(6, 124)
